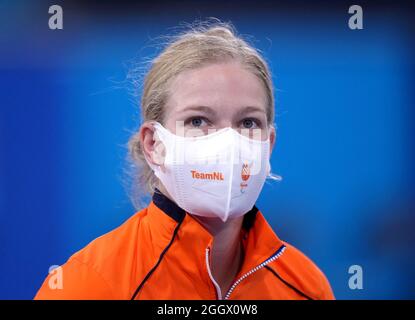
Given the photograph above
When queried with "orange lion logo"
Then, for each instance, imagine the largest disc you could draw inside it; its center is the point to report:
(246, 172)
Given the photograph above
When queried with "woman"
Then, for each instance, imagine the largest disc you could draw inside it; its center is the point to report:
(204, 148)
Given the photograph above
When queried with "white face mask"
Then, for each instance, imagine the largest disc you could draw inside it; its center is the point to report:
(216, 175)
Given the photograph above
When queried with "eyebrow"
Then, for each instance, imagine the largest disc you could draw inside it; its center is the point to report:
(249, 109)
(209, 110)
(204, 109)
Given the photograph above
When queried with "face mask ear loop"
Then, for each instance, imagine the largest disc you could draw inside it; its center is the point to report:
(271, 176)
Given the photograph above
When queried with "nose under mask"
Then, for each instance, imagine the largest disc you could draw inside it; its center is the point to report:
(216, 175)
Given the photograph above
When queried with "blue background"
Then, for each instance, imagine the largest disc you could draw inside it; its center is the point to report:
(345, 148)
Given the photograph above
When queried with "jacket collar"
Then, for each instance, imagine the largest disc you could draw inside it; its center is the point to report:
(258, 239)
(171, 209)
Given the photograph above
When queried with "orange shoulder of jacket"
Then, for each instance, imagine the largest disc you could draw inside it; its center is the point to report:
(299, 271)
(93, 272)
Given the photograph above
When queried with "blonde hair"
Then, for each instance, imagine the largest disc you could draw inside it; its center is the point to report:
(206, 43)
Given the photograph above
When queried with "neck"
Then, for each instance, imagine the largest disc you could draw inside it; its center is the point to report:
(226, 252)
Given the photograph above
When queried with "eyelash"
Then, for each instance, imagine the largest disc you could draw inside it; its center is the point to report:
(256, 121)
(189, 121)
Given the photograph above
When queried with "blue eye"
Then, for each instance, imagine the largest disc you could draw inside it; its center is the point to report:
(248, 123)
(197, 122)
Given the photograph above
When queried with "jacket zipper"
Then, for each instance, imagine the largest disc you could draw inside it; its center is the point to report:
(218, 290)
(274, 257)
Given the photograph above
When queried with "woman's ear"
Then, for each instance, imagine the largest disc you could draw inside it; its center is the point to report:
(153, 149)
(272, 138)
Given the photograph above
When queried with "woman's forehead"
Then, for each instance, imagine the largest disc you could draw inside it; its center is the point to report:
(217, 86)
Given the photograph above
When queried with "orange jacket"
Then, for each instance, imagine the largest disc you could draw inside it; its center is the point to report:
(163, 253)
